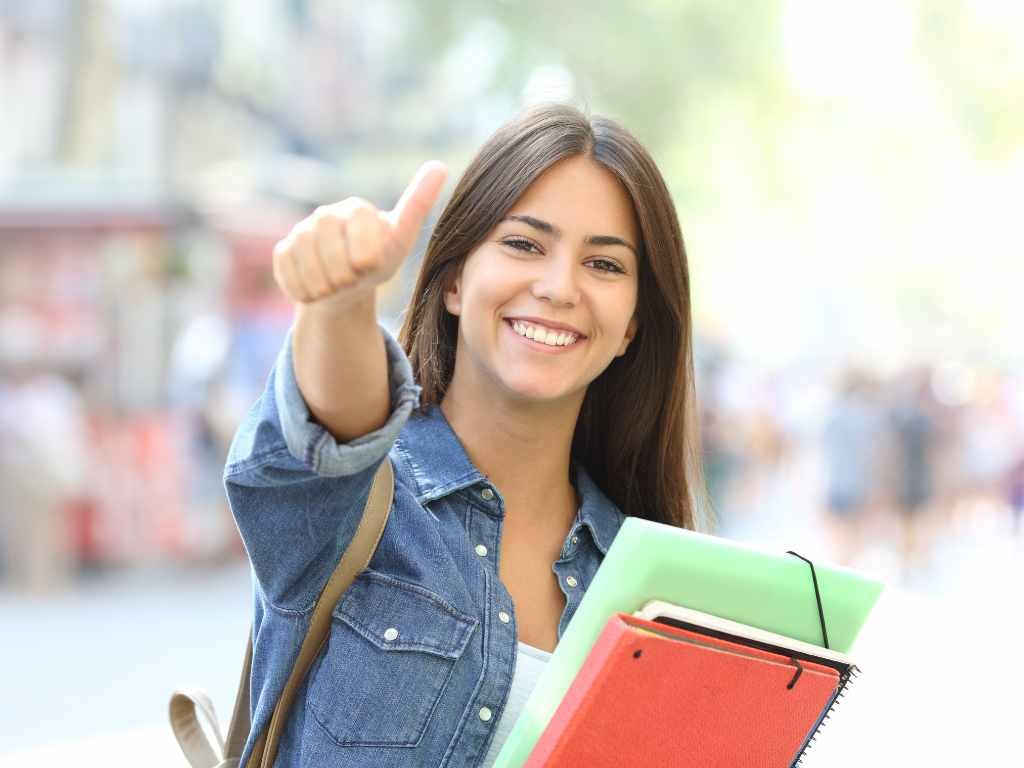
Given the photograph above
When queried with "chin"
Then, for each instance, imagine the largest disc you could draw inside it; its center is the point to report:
(536, 391)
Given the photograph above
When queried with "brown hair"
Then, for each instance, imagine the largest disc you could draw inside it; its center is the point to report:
(638, 432)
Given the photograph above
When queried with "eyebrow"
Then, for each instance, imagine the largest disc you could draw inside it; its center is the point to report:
(551, 229)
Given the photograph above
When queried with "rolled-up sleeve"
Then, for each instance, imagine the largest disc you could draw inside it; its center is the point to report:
(295, 492)
(313, 445)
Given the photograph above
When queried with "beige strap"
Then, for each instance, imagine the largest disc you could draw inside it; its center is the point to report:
(185, 702)
(238, 731)
(356, 558)
(186, 705)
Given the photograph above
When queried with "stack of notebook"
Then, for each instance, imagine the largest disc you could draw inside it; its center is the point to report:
(672, 686)
(691, 650)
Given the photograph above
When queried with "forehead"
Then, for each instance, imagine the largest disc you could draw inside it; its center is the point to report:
(581, 197)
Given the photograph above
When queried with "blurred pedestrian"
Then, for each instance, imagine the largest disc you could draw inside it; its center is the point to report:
(43, 455)
(851, 443)
(1016, 495)
(913, 443)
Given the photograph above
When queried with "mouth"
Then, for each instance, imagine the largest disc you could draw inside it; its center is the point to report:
(544, 337)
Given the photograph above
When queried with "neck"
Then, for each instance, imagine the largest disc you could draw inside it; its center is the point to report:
(523, 449)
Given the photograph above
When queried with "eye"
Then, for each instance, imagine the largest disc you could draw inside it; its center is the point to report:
(520, 244)
(606, 265)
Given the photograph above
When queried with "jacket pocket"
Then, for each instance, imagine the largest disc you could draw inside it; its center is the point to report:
(391, 651)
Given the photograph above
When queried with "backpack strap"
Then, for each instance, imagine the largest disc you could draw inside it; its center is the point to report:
(187, 704)
(194, 743)
(240, 726)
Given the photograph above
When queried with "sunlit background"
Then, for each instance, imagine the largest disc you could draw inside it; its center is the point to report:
(848, 177)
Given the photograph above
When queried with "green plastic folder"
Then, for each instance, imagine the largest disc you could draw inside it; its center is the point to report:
(650, 561)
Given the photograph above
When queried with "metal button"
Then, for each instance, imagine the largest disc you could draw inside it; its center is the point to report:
(505, 618)
(487, 495)
(575, 539)
(390, 634)
(481, 550)
(571, 581)
(485, 714)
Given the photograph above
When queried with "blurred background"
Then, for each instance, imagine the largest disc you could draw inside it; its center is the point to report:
(845, 175)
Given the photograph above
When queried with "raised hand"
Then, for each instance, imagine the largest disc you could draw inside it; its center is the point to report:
(340, 253)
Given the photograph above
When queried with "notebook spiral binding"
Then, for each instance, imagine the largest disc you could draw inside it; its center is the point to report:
(844, 681)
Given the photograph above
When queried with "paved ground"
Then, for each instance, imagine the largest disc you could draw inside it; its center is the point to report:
(86, 676)
(90, 673)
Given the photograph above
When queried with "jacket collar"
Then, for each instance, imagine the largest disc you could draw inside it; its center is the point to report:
(437, 459)
(597, 511)
(440, 467)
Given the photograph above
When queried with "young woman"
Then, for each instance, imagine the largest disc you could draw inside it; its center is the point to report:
(543, 389)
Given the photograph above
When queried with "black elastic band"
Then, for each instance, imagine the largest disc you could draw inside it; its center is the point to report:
(817, 595)
(799, 671)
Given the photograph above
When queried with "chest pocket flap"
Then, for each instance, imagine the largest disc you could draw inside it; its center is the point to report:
(395, 615)
(392, 650)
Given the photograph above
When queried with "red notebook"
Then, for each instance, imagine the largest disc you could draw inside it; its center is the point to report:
(655, 695)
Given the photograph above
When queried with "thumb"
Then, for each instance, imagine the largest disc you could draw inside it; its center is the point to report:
(415, 203)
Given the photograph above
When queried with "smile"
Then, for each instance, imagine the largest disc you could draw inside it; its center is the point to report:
(540, 334)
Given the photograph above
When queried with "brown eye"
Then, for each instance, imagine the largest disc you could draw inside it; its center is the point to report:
(520, 244)
(604, 265)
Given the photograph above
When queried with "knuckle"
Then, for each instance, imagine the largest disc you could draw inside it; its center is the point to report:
(365, 219)
(328, 225)
(353, 209)
(281, 249)
(357, 203)
(365, 259)
(362, 208)
(304, 238)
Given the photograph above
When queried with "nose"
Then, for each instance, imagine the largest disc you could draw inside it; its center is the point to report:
(556, 281)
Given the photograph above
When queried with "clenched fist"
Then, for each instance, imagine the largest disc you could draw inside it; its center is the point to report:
(341, 252)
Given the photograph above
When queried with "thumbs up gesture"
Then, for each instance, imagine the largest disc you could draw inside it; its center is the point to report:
(340, 253)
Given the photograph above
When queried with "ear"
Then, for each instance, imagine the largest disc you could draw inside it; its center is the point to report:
(630, 333)
(453, 295)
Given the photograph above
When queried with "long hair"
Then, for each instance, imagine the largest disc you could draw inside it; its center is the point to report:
(638, 433)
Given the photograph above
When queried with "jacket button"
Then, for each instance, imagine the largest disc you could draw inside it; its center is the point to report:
(481, 550)
(485, 714)
(390, 634)
(571, 581)
(505, 618)
(487, 495)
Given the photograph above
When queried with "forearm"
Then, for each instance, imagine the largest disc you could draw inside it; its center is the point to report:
(341, 367)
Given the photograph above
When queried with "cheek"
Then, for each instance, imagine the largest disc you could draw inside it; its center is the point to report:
(489, 288)
(616, 313)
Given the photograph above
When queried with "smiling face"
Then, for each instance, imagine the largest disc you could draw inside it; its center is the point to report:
(547, 300)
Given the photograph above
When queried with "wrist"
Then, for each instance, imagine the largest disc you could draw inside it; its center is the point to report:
(352, 309)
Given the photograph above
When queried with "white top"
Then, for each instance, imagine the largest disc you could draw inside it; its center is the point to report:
(530, 662)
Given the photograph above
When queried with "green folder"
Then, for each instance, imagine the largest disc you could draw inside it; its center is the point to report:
(651, 561)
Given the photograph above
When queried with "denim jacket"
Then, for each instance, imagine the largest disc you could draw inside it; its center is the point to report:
(422, 646)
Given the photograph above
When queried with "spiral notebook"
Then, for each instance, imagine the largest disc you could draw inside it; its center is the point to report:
(753, 637)
(822, 605)
(672, 692)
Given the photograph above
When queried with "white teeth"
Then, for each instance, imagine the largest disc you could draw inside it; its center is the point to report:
(550, 337)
